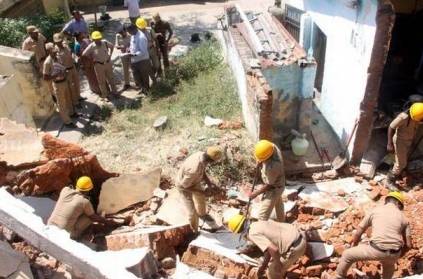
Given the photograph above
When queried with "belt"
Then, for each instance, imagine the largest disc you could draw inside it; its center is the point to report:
(391, 251)
(97, 62)
(59, 81)
(70, 68)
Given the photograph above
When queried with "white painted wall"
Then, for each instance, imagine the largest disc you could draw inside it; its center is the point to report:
(350, 35)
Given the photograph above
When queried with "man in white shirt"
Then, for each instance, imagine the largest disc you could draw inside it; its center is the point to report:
(140, 59)
(133, 9)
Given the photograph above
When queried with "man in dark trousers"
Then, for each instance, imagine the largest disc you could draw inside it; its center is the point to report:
(163, 34)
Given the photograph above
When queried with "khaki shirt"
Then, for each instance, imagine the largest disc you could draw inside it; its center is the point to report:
(51, 67)
(98, 53)
(38, 47)
(123, 41)
(64, 56)
(273, 172)
(265, 233)
(388, 225)
(69, 207)
(192, 171)
(405, 127)
(161, 27)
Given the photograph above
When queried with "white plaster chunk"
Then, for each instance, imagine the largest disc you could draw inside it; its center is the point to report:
(19, 145)
(178, 51)
(210, 121)
(185, 272)
(118, 193)
(85, 262)
(348, 185)
(173, 211)
(320, 250)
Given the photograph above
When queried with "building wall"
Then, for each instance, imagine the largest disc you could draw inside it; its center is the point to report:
(17, 8)
(350, 35)
(33, 92)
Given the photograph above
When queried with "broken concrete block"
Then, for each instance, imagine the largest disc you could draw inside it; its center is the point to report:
(121, 192)
(323, 200)
(173, 211)
(13, 264)
(217, 254)
(159, 193)
(85, 262)
(55, 148)
(20, 146)
(320, 250)
(183, 271)
(160, 122)
(6, 234)
(43, 207)
(210, 121)
(161, 239)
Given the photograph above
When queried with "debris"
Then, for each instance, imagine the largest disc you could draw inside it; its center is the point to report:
(13, 264)
(159, 193)
(183, 271)
(231, 125)
(20, 146)
(323, 200)
(161, 239)
(173, 211)
(178, 51)
(160, 122)
(320, 250)
(168, 263)
(210, 121)
(6, 234)
(121, 192)
(85, 262)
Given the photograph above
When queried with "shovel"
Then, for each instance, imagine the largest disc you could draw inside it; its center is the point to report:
(340, 160)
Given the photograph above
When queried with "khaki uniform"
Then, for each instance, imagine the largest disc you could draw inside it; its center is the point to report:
(60, 88)
(72, 212)
(403, 139)
(290, 242)
(64, 55)
(161, 28)
(273, 173)
(188, 181)
(102, 66)
(387, 235)
(38, 47)
(152, 51)
(126, 60)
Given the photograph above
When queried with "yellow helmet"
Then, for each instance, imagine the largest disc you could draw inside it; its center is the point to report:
(215, 153)
(397, 195)
(416, 112)
(96, 35)
(141, 23)
(263, 150)
(84, 184)
(236, 222)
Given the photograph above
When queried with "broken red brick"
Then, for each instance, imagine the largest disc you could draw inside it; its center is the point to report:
(341, 193)
(374, 194)
(358, 179)
(305, 260)
(318, 211)
(314, 270)
(373, 183)
(339, 249)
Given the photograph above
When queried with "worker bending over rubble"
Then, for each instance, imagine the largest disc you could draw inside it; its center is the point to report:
(390, 236)
(282, 243)
(269, 160)
(74, 212)
(188, 182)
(401, 134)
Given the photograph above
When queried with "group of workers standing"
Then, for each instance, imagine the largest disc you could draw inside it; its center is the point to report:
(142, 46)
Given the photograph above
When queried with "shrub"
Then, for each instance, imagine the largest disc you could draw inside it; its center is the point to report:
(13, 30)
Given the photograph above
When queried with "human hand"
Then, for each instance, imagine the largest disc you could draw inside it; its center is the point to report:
(390, 147)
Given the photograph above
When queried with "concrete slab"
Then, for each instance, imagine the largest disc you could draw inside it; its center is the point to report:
(120, 192)
(320, 250)
(324, 200)
(348, 185)
(85, 262)
(43, 207)
(183, 271)
(19, 145)
(13, 264)
(173, 211)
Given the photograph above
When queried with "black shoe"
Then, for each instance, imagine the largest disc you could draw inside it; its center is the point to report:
(70, 125)
(76, 115)
(126, 87)
(82, 99)
(78, 106)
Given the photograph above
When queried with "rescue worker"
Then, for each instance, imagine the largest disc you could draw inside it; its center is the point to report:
(401, 133)
(35, 42)
(74, 212)
(55, 73)
(188, 182)
(101, 50)
(86, 62)
(64, 55)
(140, 59)
(122, 42)
(152, 48)
(163, 33)
(282, 243)
(269, 160)
(389, 237)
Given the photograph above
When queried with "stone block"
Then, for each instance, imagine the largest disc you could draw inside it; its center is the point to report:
(161, 239)
(13, 264)
(173, 211)
(121, 192)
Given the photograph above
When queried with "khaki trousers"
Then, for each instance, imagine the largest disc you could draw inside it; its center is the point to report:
(126, 64)
(402, 147)
(287, 261)
(196, 204)
(81, 225)
(72, 77)
(104, 73)
(88, 67)
(155, 60)
(272, 199)
(364, 252)
(64, 102)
